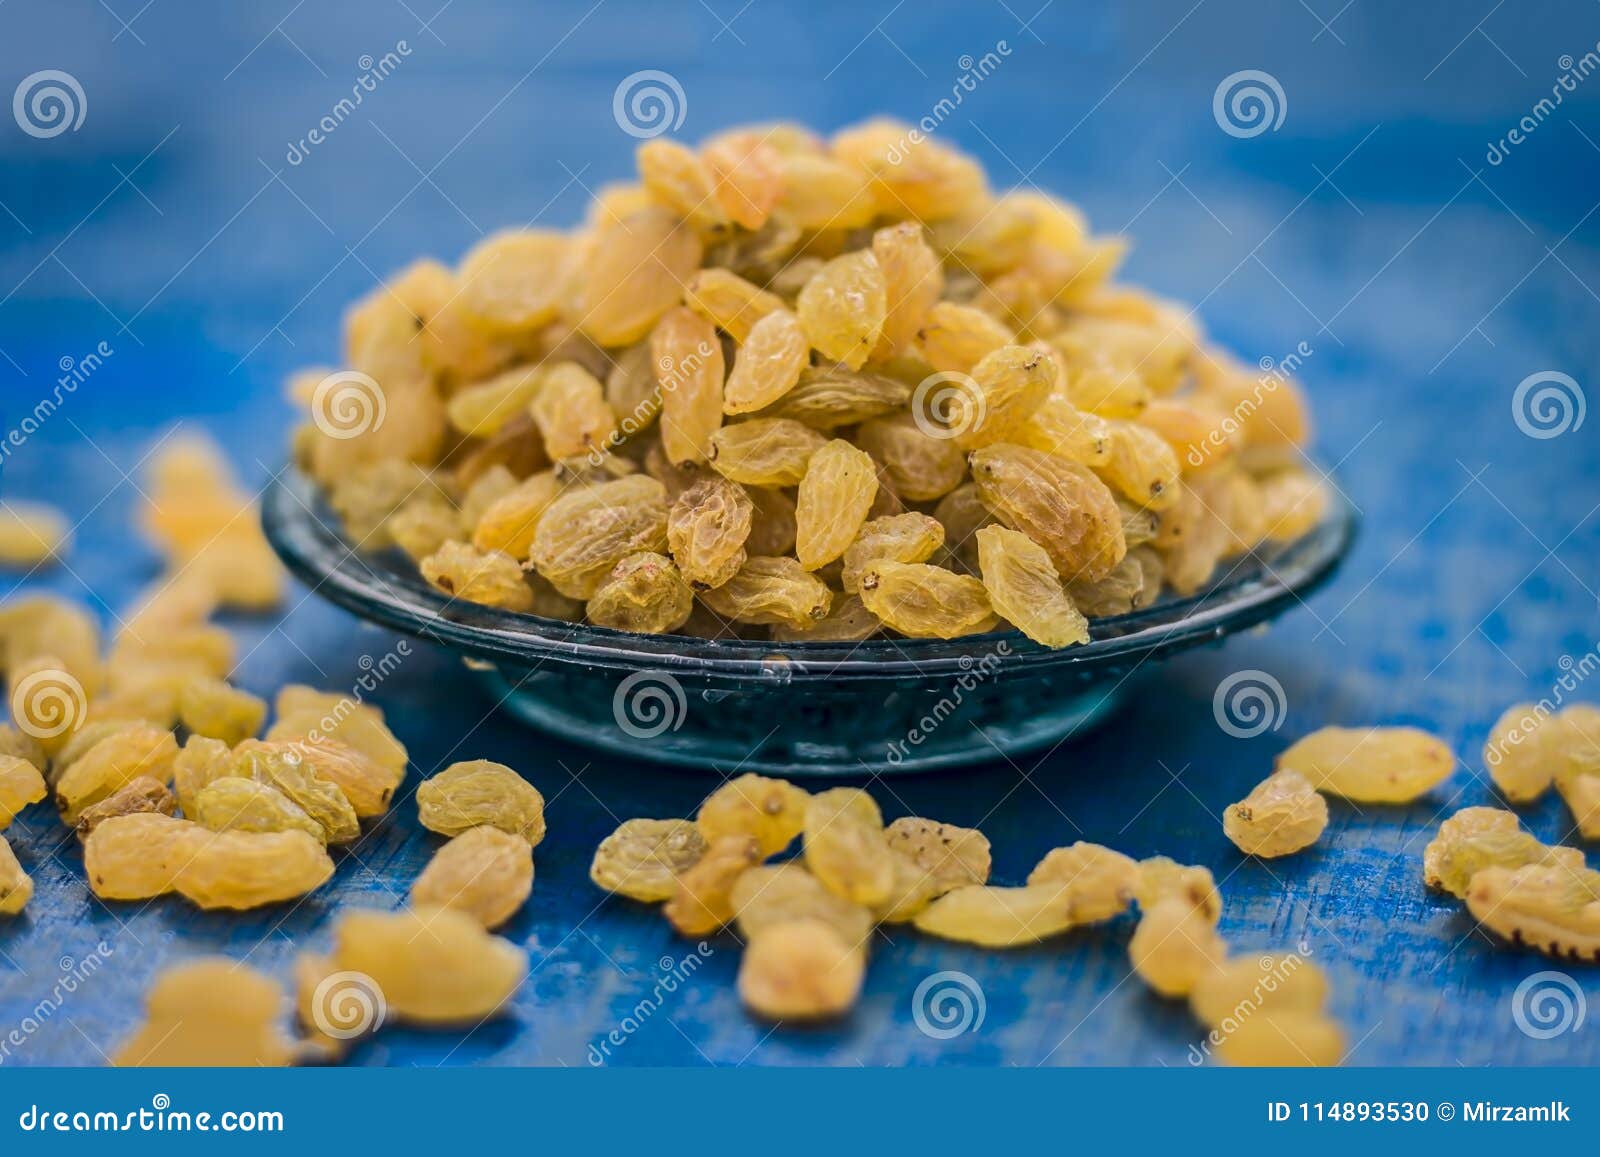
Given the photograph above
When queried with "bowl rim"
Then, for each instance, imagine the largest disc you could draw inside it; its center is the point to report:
(376, 586)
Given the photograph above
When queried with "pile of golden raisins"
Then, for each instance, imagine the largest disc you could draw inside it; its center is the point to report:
(808, 922)
(243, 813)
(804, 389)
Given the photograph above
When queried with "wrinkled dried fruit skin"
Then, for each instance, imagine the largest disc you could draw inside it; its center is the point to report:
(800, 970)
(16, 888)
(1476, 838)
(829, 397)
(467, 795)
(1141, 466)
(843, 307)
(835, 496)
(1026, 591)
(772, 527)
(508, 524)
(140, 796)
(484, 872)
(773, 811)
(906, 537)
(768, 364)
(1134, 583)
(913, 280)
(490, 578)
(953, 338)
(925, 601)
(213, 1013)
(1248, 985)
(1007, 387)
(211, 707)
(20, 785)
(845, 848)
(112, 764)
(285, 767)
(951, 855)
(1098, 883)
(920, 466)
(848, 621)
(642, 858)
(707, 527)
(1283, 814)
(1161, 878)
(588, 530)
(702, 897)
(21, 745)
(729, 302)
(571, 412)
(368, 784)
(246, 805)
(1372, 764)
(634, 274)
(1553, 909)
(995, 917)
(769, 895)
(1058, 504)
(1174, 947)
(199, 762)
(645, 593)
(241, 870)
(765, 451)
(434, 966)
(690, 373)
(771, 590)
(1284, 1039)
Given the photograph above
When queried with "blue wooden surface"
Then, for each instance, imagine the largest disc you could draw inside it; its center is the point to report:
(1428, 283)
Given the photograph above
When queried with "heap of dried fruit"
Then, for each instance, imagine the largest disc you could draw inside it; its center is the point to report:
(807, 922)
(817, 389)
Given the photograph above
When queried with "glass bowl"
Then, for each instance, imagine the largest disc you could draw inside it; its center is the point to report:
(795, 708)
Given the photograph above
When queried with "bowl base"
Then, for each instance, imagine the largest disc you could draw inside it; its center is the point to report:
(784, 730)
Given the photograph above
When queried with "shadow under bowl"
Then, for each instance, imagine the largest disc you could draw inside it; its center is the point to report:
(796, 709)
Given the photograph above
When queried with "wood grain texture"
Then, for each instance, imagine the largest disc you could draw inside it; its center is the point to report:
(1472, 586)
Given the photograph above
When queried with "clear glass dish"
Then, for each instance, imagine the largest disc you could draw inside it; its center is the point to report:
(796, 708)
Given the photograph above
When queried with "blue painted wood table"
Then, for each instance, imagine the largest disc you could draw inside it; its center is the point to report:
(192, 226)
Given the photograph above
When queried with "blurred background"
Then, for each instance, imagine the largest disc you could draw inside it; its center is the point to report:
(1411, 195)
